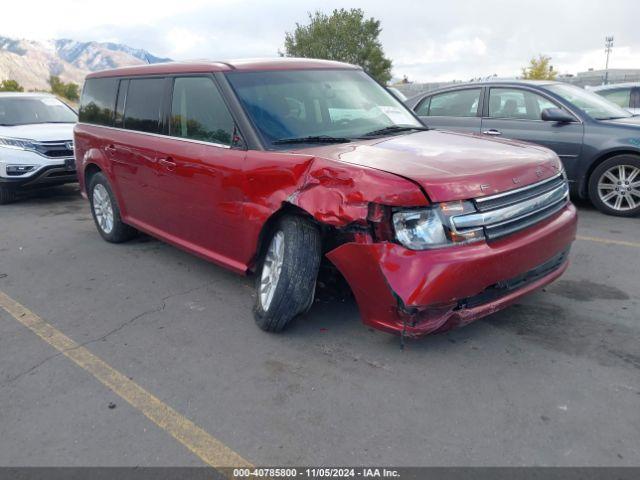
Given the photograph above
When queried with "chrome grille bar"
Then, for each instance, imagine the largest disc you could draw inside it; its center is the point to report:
(517, 195)
(516, 210)
(512, 212)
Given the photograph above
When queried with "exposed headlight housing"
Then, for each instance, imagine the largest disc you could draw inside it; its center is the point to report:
(426, 228)
(17, 143)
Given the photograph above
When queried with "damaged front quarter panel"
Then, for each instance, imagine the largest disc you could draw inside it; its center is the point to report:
(339, 195)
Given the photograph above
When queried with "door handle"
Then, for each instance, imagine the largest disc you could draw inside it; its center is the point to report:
(167, 163)
(492, 131)
(110, 149)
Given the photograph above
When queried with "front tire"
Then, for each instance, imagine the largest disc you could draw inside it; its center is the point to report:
(614, 186)
(286, 282)
(106, 213)
(7, 196)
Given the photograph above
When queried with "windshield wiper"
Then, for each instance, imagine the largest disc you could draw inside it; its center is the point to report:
(311, 139)
(393, 129)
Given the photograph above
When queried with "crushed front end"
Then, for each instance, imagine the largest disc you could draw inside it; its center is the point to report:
(409, 277)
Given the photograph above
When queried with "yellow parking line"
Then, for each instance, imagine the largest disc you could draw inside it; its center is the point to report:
(608, 241)
(209, 449)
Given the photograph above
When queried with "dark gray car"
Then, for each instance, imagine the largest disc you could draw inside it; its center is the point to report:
(598, 142)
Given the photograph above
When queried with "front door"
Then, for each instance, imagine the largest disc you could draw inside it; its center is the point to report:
(516, 113)
(200, 172)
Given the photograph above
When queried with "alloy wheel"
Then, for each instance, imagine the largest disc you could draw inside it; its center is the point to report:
(103, 208)
(271, 270)
(619, 187)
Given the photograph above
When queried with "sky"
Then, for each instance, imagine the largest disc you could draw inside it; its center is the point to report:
(426, 40)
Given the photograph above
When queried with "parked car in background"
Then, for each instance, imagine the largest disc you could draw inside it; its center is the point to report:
(625, 95)
(271, 165)
(401, 96)
(598, 142)
(36, 143)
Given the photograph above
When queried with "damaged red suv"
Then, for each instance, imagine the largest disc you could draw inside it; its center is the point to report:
(271, 166)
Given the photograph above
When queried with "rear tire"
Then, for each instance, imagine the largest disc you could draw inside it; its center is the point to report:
(106, 213)
(286, 283)
(614, 186)
(7, 196)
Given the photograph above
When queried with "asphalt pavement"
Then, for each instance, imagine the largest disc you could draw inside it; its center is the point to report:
(553, 380)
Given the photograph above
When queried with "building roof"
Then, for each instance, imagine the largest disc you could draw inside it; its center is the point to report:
(204, 66)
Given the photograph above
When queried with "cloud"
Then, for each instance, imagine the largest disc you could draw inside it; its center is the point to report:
(428, 41)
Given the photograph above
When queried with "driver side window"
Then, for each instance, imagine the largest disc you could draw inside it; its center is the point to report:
(518, 104)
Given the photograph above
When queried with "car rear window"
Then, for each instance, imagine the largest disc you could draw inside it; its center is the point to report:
(144, 104)
(98, 101)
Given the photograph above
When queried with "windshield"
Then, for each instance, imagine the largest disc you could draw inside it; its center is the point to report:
(29, 110)
(593, 105)
(318, 105)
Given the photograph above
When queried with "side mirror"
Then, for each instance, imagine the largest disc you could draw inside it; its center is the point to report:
(556, 115)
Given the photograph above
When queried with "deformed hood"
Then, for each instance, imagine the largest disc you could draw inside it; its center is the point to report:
(450, 166)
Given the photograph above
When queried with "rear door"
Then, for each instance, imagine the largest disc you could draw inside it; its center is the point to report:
(133, 151)
(200, 172)
(512, 112)
(457, 110)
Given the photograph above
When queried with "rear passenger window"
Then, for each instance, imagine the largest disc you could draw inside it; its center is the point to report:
(461, 103)
(198, 111)
(143, 104)
(98, 101)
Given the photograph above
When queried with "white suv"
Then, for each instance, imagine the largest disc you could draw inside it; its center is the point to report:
(36, 143)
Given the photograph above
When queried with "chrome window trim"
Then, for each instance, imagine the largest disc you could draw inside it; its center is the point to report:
(511, 213)
(181, 139)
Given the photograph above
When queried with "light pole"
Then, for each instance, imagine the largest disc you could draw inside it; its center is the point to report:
(608, 45)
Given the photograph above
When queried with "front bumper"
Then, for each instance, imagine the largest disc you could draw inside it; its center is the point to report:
(57, 173)
(421, 292)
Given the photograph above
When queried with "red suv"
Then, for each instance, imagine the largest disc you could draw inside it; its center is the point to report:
(269, 166)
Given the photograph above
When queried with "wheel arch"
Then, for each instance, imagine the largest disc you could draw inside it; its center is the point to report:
(90, 170)
(286, 209)
(584, 186)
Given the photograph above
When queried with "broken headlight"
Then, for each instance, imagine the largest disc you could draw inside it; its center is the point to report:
(425, 228)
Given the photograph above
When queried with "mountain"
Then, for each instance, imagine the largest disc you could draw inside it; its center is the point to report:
(31, 62)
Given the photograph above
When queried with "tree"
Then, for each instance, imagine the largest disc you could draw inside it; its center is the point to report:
(70, 91)
(345, 36)
(539, 69)
(10, 86)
